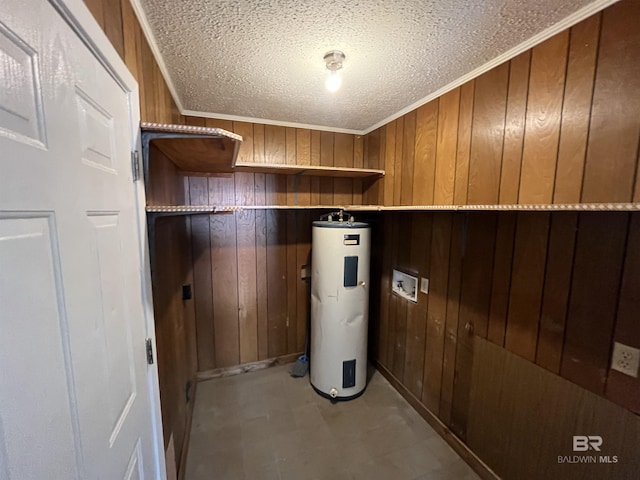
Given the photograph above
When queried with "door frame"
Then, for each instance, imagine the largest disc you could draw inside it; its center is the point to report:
(79, 18)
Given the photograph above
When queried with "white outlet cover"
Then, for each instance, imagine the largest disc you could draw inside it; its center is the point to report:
(625, 359)
(424, 285)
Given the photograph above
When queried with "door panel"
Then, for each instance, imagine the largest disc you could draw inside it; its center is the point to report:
(34, 354)
(21, 115)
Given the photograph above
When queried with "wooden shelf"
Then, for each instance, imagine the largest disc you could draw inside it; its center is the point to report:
(194, 150)
(595, 207)
(308, 170)
(208, 209)
(200, 209)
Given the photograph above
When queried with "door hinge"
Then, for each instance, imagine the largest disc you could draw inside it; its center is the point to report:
(149, 344)
(135, 166)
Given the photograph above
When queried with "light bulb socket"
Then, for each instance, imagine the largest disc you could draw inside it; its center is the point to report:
(333, 60)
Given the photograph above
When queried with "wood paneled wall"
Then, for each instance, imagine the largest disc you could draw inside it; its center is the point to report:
(559, 123)
(120, 24)
(522, 418)
(284, 145)
(554, 288)
(175, 328)
(250, 300)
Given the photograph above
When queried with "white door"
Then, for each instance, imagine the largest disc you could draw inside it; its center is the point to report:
(74, 383)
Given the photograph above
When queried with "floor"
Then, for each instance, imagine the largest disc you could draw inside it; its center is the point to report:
(267, 425)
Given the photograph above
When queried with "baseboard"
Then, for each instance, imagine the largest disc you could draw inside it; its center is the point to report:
(461, 449)
(247, 367)
(182, 468)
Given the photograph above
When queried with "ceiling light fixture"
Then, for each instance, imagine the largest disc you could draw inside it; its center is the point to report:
(333, 60)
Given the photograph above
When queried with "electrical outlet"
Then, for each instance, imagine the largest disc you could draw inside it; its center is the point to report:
(424, 285)
(625, 359)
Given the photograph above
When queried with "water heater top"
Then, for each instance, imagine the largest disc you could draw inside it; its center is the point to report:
(325, 224)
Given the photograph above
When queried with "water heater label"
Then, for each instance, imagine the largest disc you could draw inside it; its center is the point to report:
(352, 239)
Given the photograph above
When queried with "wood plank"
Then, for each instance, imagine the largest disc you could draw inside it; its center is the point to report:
(275, 144)
(447, 142)
(244, 182)
(612, 150)
(507, 388)
(358, 162)
(165, 185)
(148, 110)
(576, 110)
(463, 153)
(453, 313)
(276, 189)
(303, 286)
(276, 282)
(291, 141)
(527, 280)
(327, 142)
(475, 298)
(501, 282)
(224, 273)
(202, 291)
(259, 143)
(303, 157)
(514, 127)
(397, 176)
(437, 311)
(636, 194)
(315, 160)
(477, 271)
(398, 317)
(557, 285)
(408, 158)
(343, 157)
(96, 7)
(291, 155)
(292, 274)
(400, 333)
(113, 26)
(590, 321)
(425, 153)
(391, 330)
(544, 112)
(219, 123)
(623, 389)
(130, 27)
(487, 135)
(247, 282)
(420, 249)
(373, 158)
(261, 284)
(384, 339)
(389, 134)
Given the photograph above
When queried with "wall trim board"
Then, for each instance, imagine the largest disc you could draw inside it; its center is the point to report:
(460, 448)
(247, 367)
(564, 24)
(182, 468)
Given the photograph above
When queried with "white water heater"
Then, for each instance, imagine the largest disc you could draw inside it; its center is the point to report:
(339, 308)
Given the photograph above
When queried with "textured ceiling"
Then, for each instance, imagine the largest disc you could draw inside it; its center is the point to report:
(263, 59)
